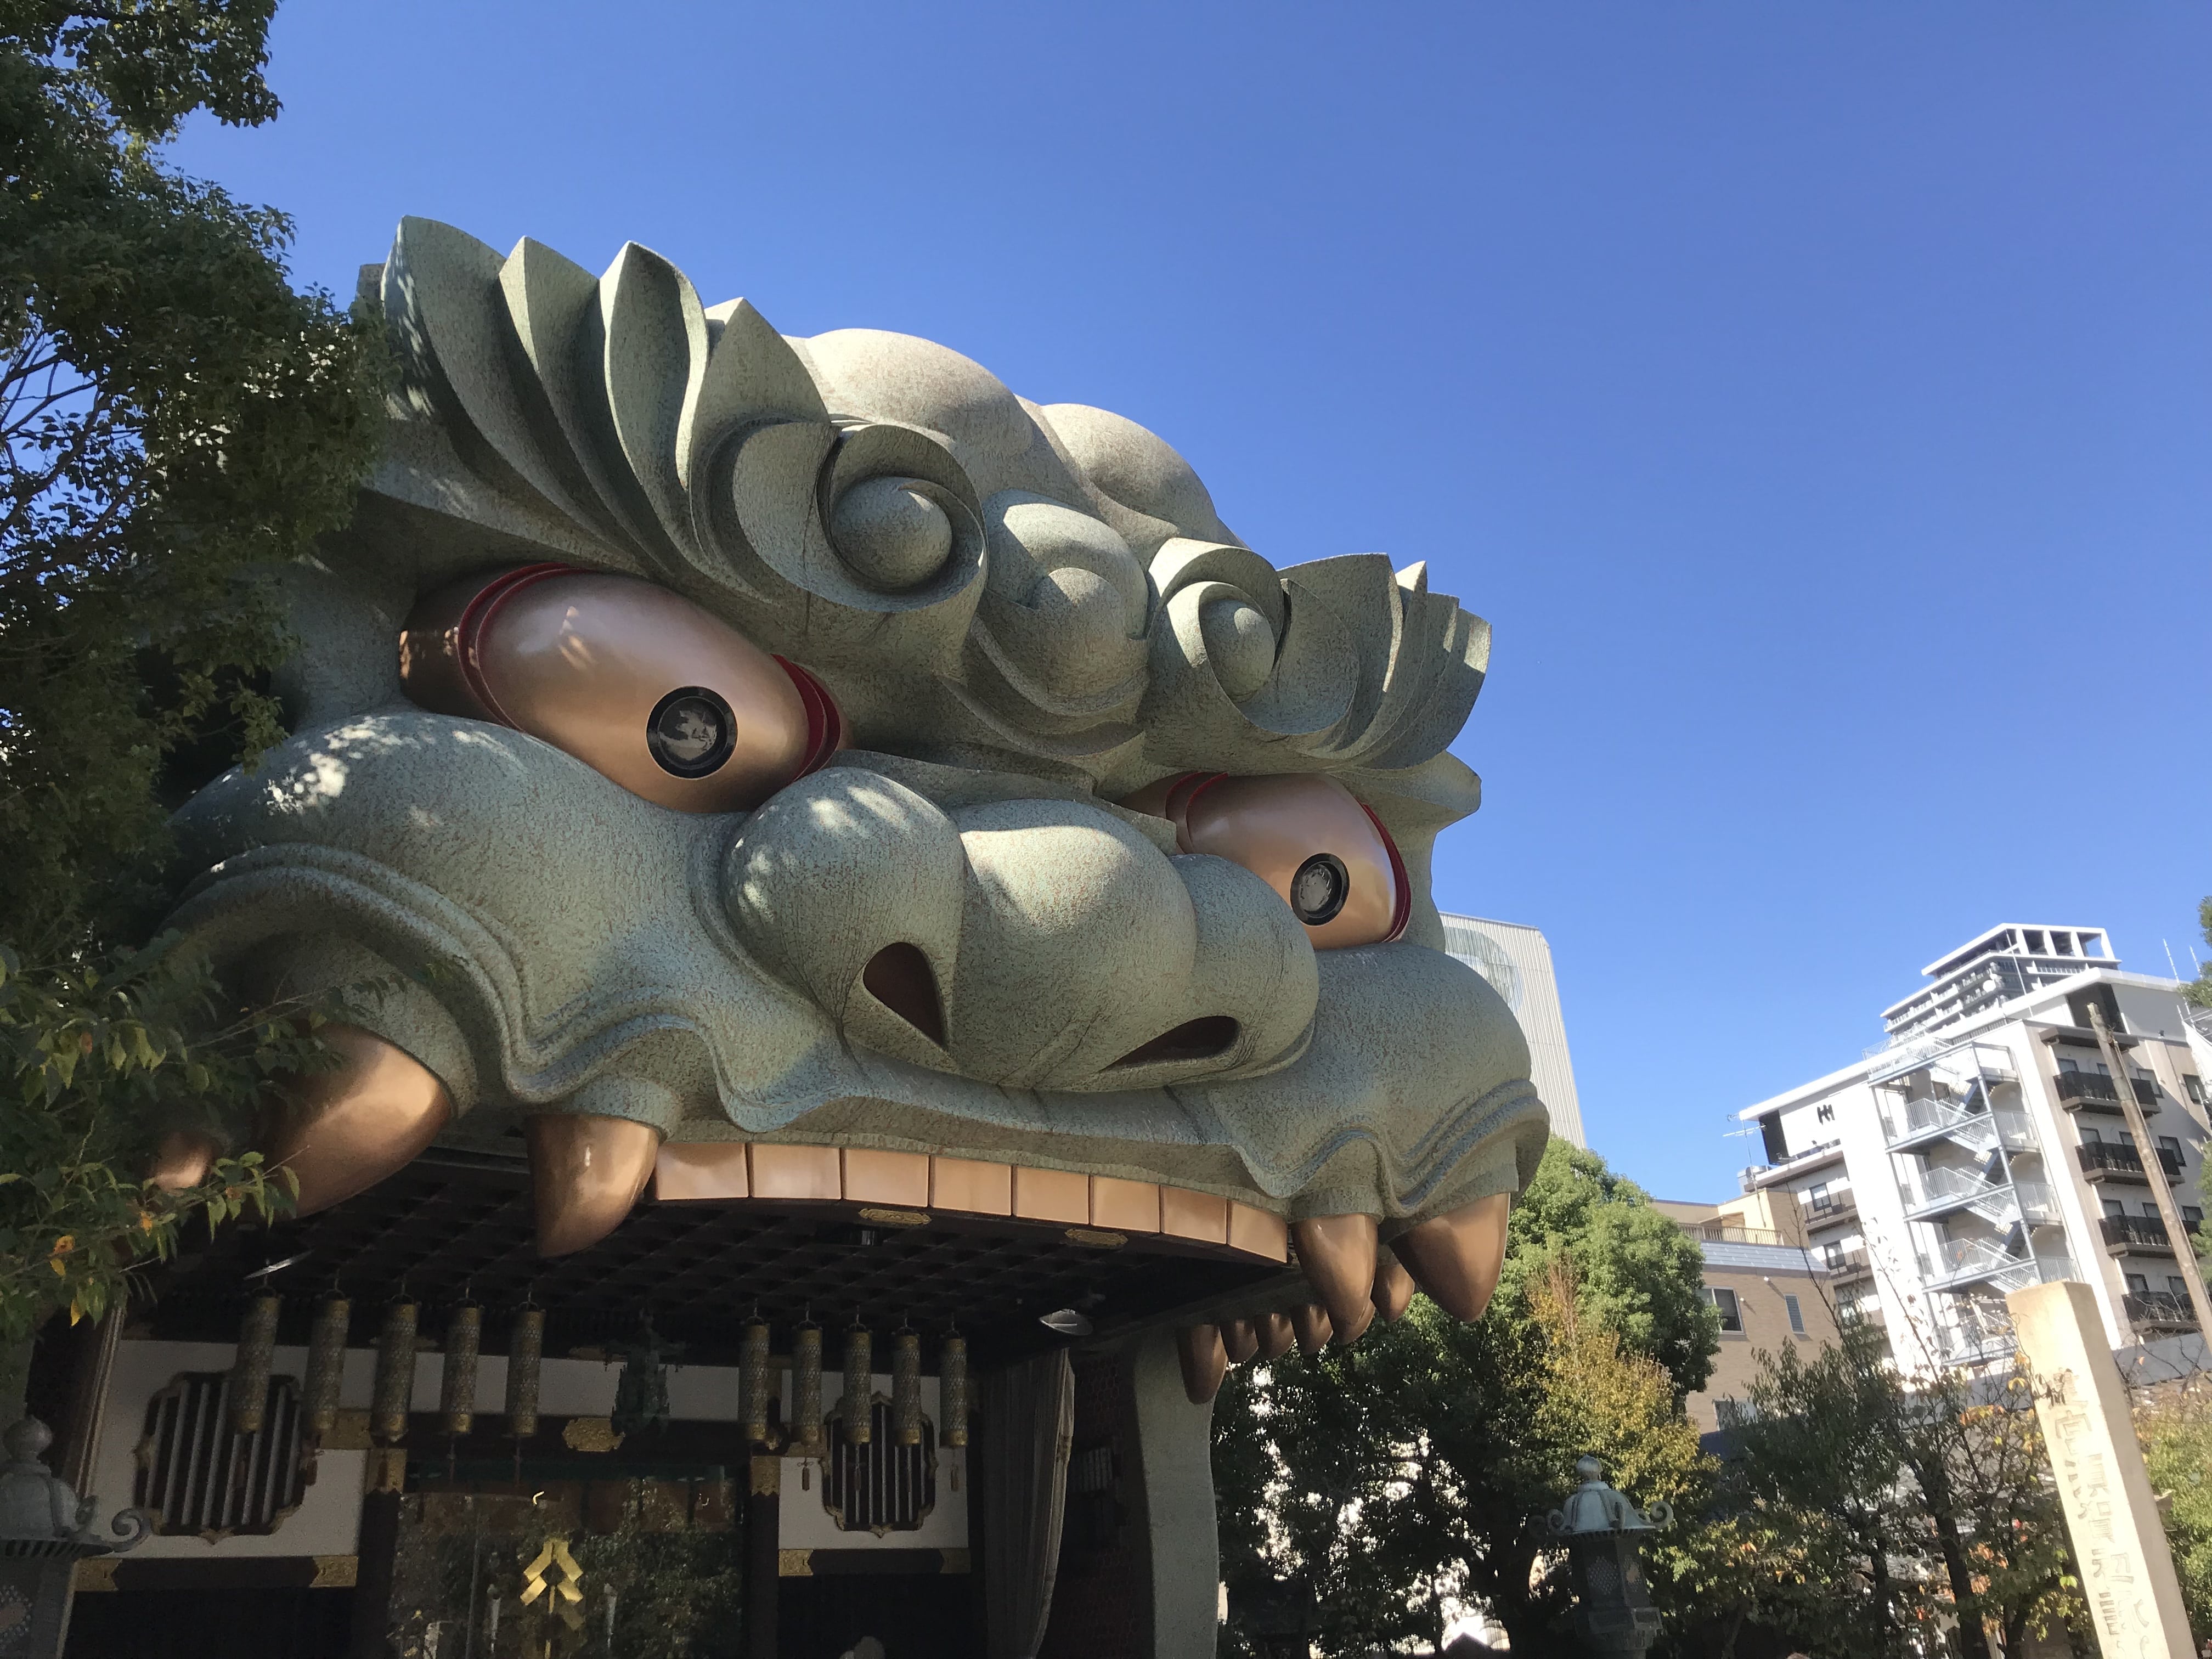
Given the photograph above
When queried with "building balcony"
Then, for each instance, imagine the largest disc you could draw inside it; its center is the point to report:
(2160, 1310)
(1756, 1176)
(2093, 1091)
(2135, 1235)
(1917, 1122)
(1942, 1190)
(1836, 1206)
(1843, 1268)
(2100, 1160)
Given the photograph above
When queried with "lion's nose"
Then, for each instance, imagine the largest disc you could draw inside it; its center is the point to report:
(1033, 944)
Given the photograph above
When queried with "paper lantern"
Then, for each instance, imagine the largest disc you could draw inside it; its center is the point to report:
(249, 1373)
(327, 1346)
(859, 1385)
(457, 1390)
(395, 1374)
(525, 1347)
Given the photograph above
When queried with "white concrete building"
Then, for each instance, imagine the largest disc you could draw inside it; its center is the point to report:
(1517, 963)
(1981, 1146)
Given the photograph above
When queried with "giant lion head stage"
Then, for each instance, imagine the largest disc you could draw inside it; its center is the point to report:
(807, 770)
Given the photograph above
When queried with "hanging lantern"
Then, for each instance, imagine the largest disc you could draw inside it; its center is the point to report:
(395, 1374)
(906, 1390)
(326, 1347)
(641, 1389)
(249, 1373)
(952, 1390)
(859, 1385)
(456, 1392)
(806, 1390)
(752, 1383)
(525, 1347)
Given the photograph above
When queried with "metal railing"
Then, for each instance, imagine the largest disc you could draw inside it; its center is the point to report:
(2104, 1157)
(2144, 1232)
(1842, 1264)
(1940, 1189)
(2159, 1308)
(2095, 1089)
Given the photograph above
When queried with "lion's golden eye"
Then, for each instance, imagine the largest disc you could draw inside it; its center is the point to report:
(637, 683)
(1305, 836)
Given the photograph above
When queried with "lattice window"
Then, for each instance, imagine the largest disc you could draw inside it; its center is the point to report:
(879, 1487)
(199, 1479)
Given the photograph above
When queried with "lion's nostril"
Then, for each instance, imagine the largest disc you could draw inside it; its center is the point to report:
(899, 976)
(1194, 1039)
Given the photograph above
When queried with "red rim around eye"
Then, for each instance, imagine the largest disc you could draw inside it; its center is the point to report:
(1402, 908)
(477, 615)
(825, 721)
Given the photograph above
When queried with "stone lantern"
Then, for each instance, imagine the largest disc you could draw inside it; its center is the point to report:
(46, 1530)
(1603, 1531)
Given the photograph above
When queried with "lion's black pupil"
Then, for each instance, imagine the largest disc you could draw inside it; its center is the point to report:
(1319, 889)
(691, 732)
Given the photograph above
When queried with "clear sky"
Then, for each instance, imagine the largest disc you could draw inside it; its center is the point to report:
(1817, 398)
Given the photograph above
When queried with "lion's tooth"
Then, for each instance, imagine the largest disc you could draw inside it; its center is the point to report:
(182, 1159)
(585, 1175)
(1310, 1322)
(1275, 1333)
(1239, 1341)
(1205, 1362)
(342, 1130)
(1338, 1255)
(1393, 1288)
(1456, 1258)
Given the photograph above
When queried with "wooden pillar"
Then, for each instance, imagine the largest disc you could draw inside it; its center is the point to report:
(764, 1553)
(378, 1553)
(2112, 1515)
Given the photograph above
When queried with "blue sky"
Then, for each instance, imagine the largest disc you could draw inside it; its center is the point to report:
(1816, 398)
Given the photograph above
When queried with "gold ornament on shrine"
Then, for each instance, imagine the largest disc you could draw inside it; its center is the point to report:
(752, 1381)
(906, 1390)
(526, 1350)
(457, 1389)
(952, 1391)
(326, 1348)
(249, 1373)
(859, 1385)
(395, 1373)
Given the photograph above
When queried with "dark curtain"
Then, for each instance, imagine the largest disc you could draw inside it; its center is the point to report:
(1029, 1424)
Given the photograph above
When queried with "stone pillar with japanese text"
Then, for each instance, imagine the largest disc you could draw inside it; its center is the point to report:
(2112, 1515)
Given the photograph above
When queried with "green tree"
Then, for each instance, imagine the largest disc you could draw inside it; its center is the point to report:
(2175, 1427)
(1891, 1507)
(1401, 1478)
(175, 416)
(2199, 990)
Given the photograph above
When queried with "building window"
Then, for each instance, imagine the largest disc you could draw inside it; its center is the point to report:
(1733, 1414)
(2113, 1207)
(2169, 1144)
(2090, 1137)
(2137, 1285)
(198, 1478)
(2192, 1216)
(2067, 1063)
(2176, 1285)
(878, 1487)
(1816, 1197)
(1796, 1314)
(1731, 1315)
(2193, 1086)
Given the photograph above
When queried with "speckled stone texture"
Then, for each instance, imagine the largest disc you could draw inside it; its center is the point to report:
(1025, 614)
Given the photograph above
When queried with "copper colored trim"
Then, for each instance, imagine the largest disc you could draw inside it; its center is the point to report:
(585, 1174)
(879, 1178)
(801, 1172)
(1259, 1232)
(1185, 1214)
(1393, 1288)
(182, 1158)
(1052, 1195)
(1276, 1334)
(1338, 1255)
(1129, 1206)
(1457, 1258)
(341, 1132)
(477, 617)
(1274, 826)
(1205, 1362)
(971, 1185)
(689, 1170)
(1239, 1341)
(1310, 1324)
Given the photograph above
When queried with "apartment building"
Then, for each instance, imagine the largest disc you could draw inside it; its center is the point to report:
(1769, 1291)
(1982, 1146)
(1516, 960)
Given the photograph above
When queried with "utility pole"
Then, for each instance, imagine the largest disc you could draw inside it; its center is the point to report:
(2161, 1190)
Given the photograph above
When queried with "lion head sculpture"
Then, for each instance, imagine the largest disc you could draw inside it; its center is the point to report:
(725, 743)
